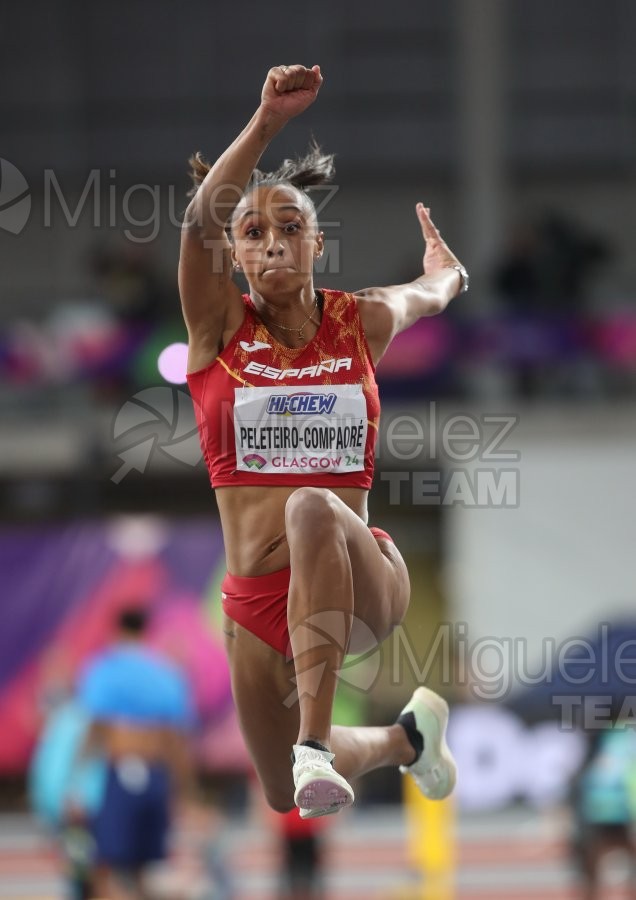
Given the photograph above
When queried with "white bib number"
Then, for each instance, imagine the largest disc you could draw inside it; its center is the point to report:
(306, 430)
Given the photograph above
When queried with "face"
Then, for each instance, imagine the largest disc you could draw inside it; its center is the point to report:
(276, 239)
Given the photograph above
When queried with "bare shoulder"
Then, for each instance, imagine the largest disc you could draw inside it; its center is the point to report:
(205, 345)
(373, 301)
(207, 290)
(378, 316)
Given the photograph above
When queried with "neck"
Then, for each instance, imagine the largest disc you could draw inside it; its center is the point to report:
(285, 306)
(293, 326)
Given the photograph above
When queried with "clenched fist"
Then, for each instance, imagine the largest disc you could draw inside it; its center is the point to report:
(289, 90)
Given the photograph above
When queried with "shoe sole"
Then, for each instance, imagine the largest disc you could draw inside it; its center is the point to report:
(315, 813)
(322, 796)
(440, 775)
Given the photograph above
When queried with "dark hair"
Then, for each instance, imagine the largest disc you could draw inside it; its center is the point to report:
(312, 170)
(133, 620)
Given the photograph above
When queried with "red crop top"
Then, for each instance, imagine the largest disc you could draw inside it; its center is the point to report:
(272, 415)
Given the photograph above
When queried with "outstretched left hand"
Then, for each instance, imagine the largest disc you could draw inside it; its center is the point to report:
(437, 255)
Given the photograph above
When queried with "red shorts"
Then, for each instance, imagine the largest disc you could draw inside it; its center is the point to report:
(260, 604)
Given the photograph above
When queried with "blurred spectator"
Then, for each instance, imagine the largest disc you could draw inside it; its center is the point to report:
(547, 265)
(65, 795)
(604, 802)
(140, 711)
(302, 857)
(130, 284)
(542, 282)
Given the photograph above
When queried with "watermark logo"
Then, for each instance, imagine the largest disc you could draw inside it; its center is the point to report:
(595, 712)
(138, 211)
(468, 457)
(319, 635)
(157, 419)
(480, 489)
(15, 198)
(585, 682)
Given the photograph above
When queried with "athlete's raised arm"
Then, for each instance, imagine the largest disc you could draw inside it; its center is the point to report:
(210, 300)
(385, 311)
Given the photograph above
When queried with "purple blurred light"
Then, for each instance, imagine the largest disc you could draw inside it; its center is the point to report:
(172, 363)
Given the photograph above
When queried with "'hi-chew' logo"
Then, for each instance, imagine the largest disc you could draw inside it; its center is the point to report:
(15, 199)
(302, 403)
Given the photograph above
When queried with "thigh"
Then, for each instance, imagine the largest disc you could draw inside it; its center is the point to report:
(380, 578)
(154, 819)
(264, 694)
(114, 826)
(381, 584)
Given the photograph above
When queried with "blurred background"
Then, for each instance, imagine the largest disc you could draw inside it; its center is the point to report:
(506, 466)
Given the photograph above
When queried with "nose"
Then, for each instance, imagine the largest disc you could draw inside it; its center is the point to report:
(275, 246)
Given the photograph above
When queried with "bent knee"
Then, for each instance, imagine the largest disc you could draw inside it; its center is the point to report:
(280, 803)
(311, 507)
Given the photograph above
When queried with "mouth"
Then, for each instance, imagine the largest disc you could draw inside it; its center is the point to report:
(283, 268)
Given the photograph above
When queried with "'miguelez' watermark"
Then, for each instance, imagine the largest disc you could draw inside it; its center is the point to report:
(139, 211)
(466, 453)
(580, 674)
(468, 459)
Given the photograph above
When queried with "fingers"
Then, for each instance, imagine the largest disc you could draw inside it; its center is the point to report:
(312, 77)
(429, 230)
(438, 254)
(295, 77)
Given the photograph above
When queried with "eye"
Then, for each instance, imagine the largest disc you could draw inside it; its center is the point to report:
(253, 232)
(291, 227)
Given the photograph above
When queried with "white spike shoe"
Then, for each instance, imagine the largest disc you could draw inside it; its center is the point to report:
(320, 790)
(435, 772)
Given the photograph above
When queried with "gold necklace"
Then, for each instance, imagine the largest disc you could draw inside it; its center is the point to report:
(298, 331)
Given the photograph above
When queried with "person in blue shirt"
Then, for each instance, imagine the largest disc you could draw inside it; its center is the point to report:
(65, 789)
(604, 804)
(140, 711)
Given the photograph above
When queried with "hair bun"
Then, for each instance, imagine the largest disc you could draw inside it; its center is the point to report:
(312, 170)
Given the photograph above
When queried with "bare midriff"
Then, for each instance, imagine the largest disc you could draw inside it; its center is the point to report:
(122, 739)
(253, 522)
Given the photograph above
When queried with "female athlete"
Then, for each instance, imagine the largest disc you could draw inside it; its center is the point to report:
(287, 406)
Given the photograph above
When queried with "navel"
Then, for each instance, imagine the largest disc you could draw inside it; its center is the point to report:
(275, 544)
